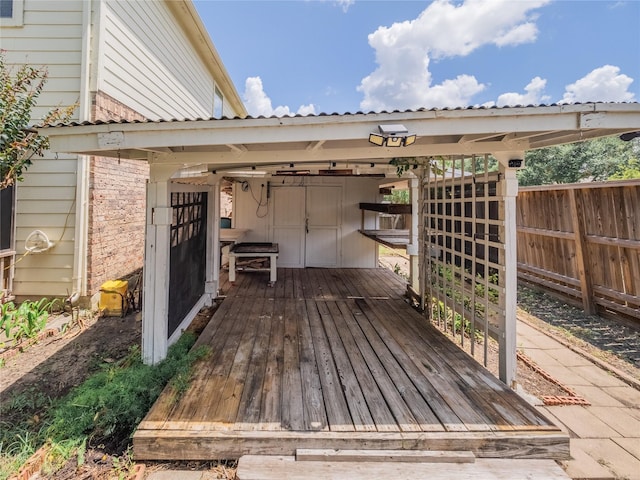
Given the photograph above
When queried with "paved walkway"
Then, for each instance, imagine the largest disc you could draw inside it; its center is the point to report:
(605, 436)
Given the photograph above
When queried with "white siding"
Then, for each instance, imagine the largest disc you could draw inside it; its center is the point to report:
(357, 251)
(149, 64)
(51, 36)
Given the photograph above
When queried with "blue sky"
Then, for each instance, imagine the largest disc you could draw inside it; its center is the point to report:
(313, 56)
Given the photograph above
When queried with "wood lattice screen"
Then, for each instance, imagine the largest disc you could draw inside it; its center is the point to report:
(188, 254)
(463, 244)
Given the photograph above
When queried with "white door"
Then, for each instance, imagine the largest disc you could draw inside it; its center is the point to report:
(289, 225)
(324, 210)
(306, 226)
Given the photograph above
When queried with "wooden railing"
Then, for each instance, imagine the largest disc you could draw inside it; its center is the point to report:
(582, 241)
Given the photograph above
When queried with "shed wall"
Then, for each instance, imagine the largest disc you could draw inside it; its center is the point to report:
(356, 250)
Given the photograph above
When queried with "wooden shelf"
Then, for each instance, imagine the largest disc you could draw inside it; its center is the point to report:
(392, 208)
(390, 238)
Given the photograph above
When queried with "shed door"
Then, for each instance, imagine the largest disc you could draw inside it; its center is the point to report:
(324, 208)
(306, 226)
(288, 225)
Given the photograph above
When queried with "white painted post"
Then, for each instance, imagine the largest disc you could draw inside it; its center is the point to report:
(155, 310)
(507, 362)
(212, 284)
(414, 243)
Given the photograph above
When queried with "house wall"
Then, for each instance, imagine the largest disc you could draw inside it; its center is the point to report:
(142, 66)
(50, 35)
(147, 62)
(357, 251)
(116, 217)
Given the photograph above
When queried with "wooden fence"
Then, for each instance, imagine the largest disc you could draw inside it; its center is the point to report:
(582, 241)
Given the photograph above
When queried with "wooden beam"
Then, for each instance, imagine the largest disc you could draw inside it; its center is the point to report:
(582, 265)
(410, 456)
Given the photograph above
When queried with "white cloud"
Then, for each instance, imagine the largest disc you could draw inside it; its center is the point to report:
(444, 29)
(534, 95)
(258, 103)
(345, 4)
(604, 84)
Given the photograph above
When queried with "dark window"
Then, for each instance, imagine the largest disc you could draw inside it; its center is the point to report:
(187, 271)
(6, 218)
(6, 8)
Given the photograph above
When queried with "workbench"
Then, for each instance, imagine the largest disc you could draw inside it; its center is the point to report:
(254, 250)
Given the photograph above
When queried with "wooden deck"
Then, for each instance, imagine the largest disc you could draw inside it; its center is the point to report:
(335, 358)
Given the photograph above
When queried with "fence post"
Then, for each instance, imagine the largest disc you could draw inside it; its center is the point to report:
(581, 246)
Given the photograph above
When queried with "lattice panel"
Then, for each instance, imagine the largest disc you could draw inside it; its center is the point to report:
(463, 239)
(188, 254)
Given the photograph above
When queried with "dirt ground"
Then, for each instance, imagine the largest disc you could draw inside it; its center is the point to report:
(57, 363)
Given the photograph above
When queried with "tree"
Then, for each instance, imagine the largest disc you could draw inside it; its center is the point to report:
(19, 142)
(591, 160)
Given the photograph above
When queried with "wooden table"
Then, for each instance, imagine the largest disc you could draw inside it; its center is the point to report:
(254, 250)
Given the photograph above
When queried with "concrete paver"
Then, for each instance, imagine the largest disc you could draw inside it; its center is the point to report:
(582, 422)
(175, 475)
(597, 396)
(631, 445)
(612, 456)
(626, 394)
(597, 376)
(569, 358)
(619, 419)
(584, 467)
(605, 441)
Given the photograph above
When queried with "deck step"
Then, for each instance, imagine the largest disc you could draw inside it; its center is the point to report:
(409, 456)
(265, 467)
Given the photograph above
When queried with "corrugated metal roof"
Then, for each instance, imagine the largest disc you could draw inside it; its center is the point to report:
(335, 114)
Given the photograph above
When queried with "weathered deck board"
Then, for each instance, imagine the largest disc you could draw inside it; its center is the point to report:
(336, 359)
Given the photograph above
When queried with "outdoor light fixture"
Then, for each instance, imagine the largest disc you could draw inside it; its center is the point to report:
(392, 136)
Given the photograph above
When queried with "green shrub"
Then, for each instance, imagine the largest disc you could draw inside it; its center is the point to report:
(104, 410)
(26, 320)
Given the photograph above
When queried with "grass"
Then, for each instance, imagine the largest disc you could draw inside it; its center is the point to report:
(103, 411)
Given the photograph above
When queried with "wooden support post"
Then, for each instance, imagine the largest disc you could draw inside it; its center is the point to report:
(582, 267)
(507, 342)
(155, 310)
(213, 242)
(413, 249)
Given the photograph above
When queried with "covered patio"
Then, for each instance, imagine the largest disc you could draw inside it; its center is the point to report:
(336, 359)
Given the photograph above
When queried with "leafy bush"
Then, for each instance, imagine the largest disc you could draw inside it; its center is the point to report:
(104, 410)
(110, 404)
(26, 320)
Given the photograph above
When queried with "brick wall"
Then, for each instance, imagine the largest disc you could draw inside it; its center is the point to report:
(117, 198)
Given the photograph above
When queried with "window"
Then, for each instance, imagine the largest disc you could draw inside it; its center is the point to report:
(7, 205)
(217, 103)
(6, 8)
(11, 13)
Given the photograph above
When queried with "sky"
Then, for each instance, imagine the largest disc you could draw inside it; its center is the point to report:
(337, 56)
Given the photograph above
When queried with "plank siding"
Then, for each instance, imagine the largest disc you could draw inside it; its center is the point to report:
(146, 55)
(348, 364)
(51, 36)
(142, 56)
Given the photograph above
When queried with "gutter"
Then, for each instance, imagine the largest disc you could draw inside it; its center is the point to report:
(80, 250)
